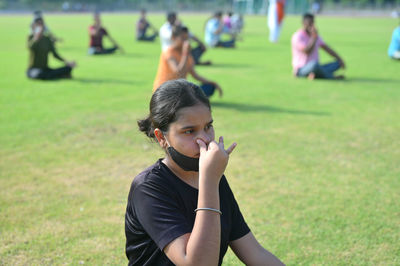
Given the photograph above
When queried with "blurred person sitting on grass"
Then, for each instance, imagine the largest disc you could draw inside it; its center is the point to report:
(40, 45)
(214, 30)
(166, 39)
(142, 26)
(305, 57)
(176, 62)
(96, 33)
(394, 48)
(181, 210)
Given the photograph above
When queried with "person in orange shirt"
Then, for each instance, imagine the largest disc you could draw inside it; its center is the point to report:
(176, 62)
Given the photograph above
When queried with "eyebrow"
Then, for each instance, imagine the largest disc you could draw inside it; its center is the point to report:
(191, 126)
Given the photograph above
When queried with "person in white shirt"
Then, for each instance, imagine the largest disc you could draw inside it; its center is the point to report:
(166, 35)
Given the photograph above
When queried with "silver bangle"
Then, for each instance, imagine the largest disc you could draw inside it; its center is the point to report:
(208, 209)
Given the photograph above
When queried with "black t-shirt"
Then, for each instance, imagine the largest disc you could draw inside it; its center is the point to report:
(161, 208)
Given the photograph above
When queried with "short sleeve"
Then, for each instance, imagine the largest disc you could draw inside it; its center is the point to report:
(239, 226)
(104, 31)
(299, 42)
(159, 213)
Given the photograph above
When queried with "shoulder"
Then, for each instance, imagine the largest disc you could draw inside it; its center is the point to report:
(153, 175)
(299, 33)
(170, 52)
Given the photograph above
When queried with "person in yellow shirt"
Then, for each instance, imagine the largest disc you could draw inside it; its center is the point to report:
(176, 62)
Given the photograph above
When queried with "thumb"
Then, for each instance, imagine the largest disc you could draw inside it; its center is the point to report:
(202, 145)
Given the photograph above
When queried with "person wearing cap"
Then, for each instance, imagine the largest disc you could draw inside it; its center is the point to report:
(96, 33)
(394, 47)
(40, 45)
(214, 30)
(176, 62)
(142, 26)
(305, 57)
(166, 41)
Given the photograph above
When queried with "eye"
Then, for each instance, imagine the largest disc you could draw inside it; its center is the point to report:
(189, 131)
(209, 126)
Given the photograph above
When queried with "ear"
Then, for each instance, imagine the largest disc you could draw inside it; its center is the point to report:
(160, 137)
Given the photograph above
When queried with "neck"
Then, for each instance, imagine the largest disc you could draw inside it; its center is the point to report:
(189, 177)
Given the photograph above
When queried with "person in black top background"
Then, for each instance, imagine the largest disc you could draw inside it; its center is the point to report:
(180, 210)
(40, 45)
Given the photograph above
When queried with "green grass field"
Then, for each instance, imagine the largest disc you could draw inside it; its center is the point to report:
(316, 171)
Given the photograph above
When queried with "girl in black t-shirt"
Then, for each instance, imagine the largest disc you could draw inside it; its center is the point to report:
(181, 210)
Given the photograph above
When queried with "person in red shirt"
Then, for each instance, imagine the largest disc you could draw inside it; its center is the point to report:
(96, 33)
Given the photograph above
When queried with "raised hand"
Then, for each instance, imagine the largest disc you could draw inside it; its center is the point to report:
(213, 159)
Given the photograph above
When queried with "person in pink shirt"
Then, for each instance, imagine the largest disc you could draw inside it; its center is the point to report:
(305, 58)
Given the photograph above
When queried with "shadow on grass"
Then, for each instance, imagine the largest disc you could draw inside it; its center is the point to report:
(373, 80)
(264, 108)
(99, 81)
(233, 65)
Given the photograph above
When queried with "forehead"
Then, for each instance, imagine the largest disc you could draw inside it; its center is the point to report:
(196, 115)
(308, 20)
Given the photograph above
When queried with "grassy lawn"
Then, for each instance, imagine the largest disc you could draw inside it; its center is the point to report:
(316, 171)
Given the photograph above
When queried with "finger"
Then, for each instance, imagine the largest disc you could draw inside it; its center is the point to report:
(231, 148)
(221, 142)
(202, 145)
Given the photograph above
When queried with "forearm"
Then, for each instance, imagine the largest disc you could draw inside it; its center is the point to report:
(310, 45)
(112, 41)
(182, 64)
(204, 242)
(332, 53)
(57, 56)
(266, 258)
(202, 79)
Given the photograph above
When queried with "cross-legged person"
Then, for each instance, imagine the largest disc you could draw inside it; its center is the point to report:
(40, 45)
(176, 62)
(142, 27)
(96, 33)
(305, 56)
(166, 34)
(214, 31)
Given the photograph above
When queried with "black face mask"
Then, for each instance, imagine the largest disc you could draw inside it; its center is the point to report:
(185, 162)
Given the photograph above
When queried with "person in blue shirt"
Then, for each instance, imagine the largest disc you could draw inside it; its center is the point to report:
(394, 48)
(213, 31)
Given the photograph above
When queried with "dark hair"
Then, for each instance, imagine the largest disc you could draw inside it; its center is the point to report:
(167, 100)
(171, 15)
(308, 16)
(218, 14)
(178, 30)
(39, 19)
